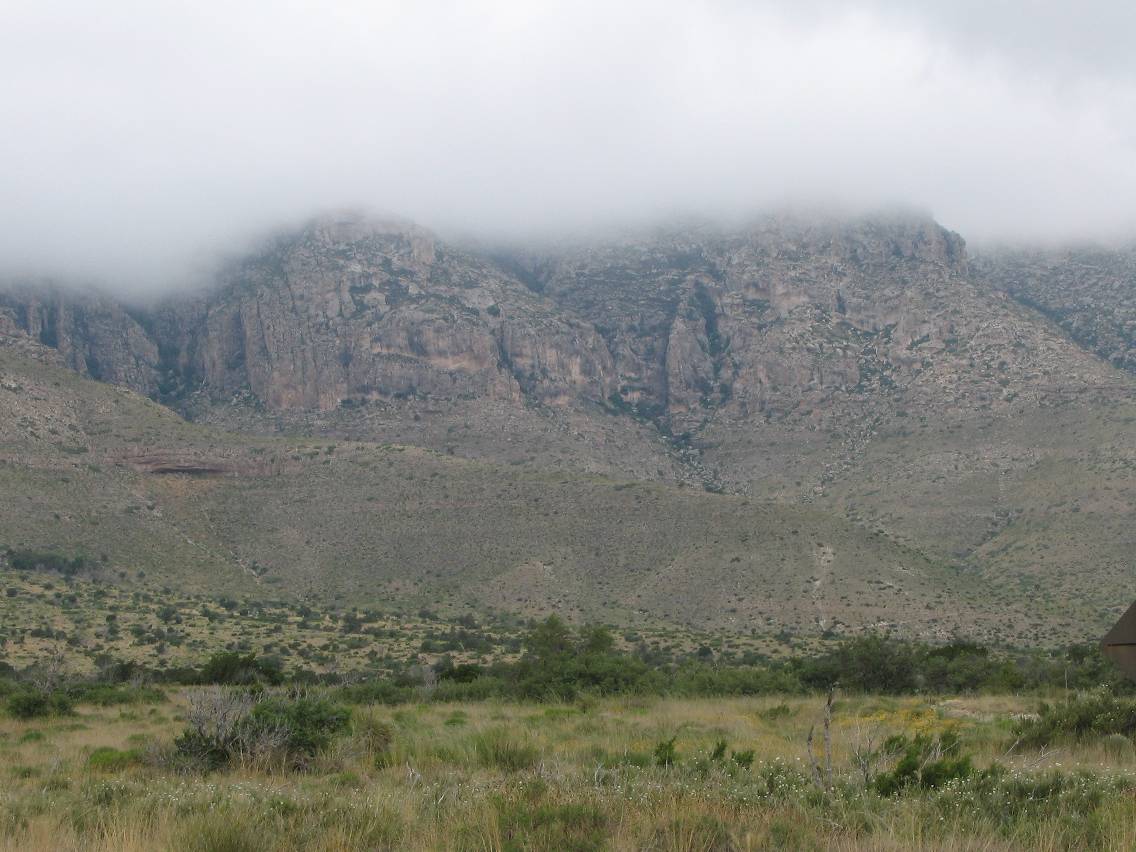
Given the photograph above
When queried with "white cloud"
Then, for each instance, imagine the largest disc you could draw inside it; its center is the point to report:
(140, 135)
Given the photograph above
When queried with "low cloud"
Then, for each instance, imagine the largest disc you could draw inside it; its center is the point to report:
(141, 138)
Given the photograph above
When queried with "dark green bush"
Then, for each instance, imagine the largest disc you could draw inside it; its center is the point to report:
(110, 695)
(1084, 715)
(666, 755)
(232, 668)
(743, 759)
(311, 723)
(719, 751)
(479, 689)
(560, 664)
(226, 726)
(34, 704)
(701, 679)
(863, 664)
(32, 560)
(924, 762)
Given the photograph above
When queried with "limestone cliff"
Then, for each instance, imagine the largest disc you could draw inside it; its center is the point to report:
(93, 333)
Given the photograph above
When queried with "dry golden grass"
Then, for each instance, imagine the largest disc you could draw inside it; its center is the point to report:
(498, 776)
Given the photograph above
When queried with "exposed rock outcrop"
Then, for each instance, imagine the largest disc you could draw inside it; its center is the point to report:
(694, 330)
(1089, 291)
(94, 334)
(352, 310)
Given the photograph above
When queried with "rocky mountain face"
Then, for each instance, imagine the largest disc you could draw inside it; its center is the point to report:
(658, 354)
(804, 319)
(1089, 291)
(351, 311)
(868, 367)
(814, 320)
(94, 334)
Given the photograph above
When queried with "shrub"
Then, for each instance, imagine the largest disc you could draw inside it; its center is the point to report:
(777, 711)
(378, 692)
(1081, 716)
(700, 679)
(1118, 745)
(227, 726)
(309, 724)
(229, 667)
(719, 751)
(479, 689)
(34, 704)
(666, 754)
(864, 664)
(743, 759)
(111, 695)
(926, 762)
(31, 560)
(216, 720)
(27, 705)
(560, 663)
(347, 780)
(374, 736)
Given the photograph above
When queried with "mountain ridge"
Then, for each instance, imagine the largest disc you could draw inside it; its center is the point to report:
(870, 368)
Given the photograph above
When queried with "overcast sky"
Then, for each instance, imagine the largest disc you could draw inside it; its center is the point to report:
(137, 138)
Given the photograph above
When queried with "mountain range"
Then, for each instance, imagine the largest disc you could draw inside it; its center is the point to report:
(804, 423)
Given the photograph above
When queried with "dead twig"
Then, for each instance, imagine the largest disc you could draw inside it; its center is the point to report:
(825, 783)
(828, 735)
(812, 759)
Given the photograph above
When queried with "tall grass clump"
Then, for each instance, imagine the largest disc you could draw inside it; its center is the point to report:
(498, 749)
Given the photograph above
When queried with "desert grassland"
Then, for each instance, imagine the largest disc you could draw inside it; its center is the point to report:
(491, 776)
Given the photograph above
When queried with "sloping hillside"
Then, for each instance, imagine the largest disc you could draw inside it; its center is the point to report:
(858, 378)
(93, 470)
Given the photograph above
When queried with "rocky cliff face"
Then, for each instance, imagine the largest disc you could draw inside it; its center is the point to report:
(1089, 291)
(762, 320)
(93, 333)
(702, 335)
(349, 311)
(803, 319)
